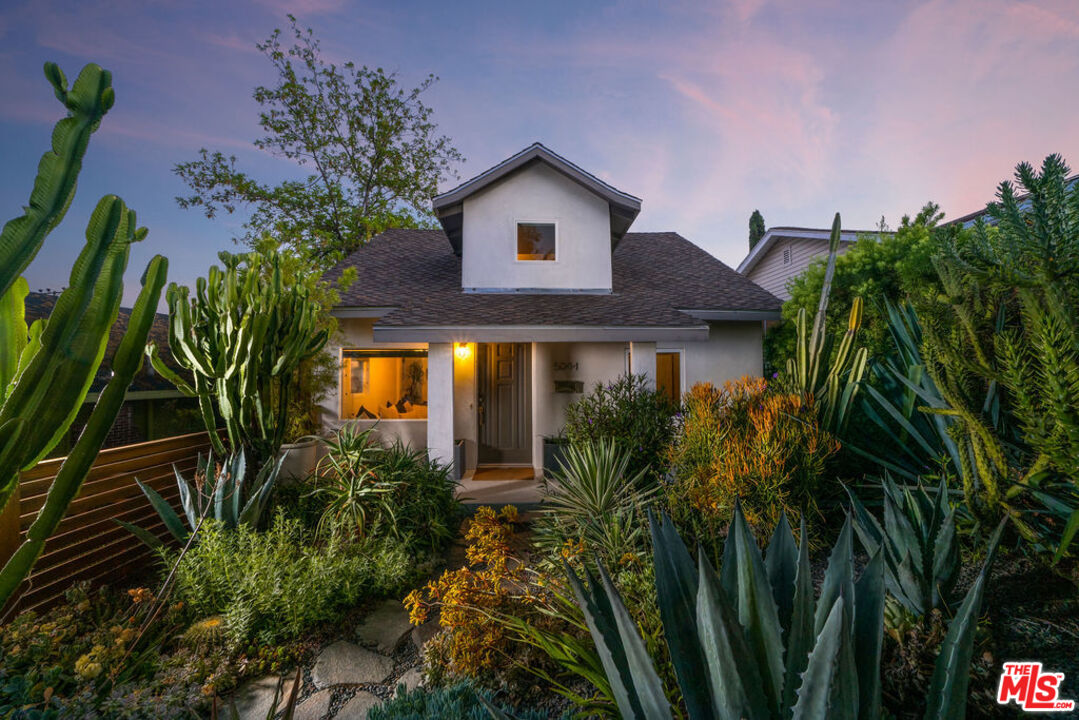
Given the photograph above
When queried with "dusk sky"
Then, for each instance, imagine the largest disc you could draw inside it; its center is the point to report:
(705, 111)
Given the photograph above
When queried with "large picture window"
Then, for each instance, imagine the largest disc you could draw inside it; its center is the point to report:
(535, 241)
(384, 384)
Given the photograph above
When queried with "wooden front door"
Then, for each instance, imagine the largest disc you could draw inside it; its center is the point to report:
(505, 410)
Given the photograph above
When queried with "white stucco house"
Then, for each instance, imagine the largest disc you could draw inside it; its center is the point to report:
(480, 334)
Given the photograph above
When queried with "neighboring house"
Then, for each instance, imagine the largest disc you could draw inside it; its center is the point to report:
(533, 291)
(784, 253)
(152, 407)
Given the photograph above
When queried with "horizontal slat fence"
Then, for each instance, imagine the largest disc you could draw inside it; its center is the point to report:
(88, 544)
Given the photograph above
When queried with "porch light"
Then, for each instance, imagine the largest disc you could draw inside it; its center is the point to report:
(463, 351)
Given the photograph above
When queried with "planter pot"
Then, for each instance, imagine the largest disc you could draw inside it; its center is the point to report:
(300, 459)
(553, 452)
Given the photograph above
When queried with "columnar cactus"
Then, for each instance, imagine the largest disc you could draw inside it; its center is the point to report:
(242, 336)
(46, 370)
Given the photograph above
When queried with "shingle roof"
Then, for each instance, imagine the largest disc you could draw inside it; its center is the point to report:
(40, 305)
(655, 276)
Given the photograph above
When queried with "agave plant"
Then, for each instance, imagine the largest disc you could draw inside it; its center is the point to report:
(752, 642)
(216, 492)
(921, 552)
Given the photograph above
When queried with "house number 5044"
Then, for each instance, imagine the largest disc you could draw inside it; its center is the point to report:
(565, 366)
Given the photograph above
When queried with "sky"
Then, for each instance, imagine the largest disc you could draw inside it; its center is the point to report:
(706, 111)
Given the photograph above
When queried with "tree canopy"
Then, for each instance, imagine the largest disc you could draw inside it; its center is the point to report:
(371, 148)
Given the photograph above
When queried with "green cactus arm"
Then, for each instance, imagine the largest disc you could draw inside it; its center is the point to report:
(166, 372)
(58, 171)
(13, 332)
(54, 383)
(73, 470)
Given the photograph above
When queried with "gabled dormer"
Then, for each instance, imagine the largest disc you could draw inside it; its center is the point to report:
(535, 223)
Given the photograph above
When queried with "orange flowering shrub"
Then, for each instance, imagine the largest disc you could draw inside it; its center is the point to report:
(493, 582)
(750, 442)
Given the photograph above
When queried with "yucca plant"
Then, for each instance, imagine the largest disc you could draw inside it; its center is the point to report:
(219, 492)
(47, 369)
(752, 642)
(917, 538)
(832, 379)
(593, 496)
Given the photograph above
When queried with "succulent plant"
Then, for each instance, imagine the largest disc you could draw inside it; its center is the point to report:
(46, 370)
(752, 642)
(834, 386)
(216, 492)
(921, 551)
(242, 335)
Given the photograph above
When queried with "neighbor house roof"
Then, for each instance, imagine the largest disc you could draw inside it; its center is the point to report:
(449, 206)
(411, 278)
(780, 233)
(39, 306)
(1024, 203)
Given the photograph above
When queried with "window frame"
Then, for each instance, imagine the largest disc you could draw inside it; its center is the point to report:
(388, 351)
(538, 221)
(681, 351)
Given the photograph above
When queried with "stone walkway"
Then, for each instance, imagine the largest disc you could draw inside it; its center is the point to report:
(350, 676)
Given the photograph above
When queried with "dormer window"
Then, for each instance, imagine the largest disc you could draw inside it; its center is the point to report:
(536, 241)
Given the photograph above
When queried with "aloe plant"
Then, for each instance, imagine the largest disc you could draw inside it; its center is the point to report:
(752, 642)
(242, 336)
(833, 380)
(46, 369)
(215, 492)
(921, 551)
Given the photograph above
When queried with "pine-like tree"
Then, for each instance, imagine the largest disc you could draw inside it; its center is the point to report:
(756, 228)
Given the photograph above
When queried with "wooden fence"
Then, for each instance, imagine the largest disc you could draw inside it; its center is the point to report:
(88, 544)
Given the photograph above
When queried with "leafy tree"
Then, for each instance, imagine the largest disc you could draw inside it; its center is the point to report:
(756, 228)
(372, 147)
(878, 267)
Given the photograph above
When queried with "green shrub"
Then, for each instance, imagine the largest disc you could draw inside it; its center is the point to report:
(631, 413)
(421, 505)
(271, 586)
(393, 491)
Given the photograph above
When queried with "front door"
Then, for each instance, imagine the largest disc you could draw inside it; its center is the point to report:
(505, 413)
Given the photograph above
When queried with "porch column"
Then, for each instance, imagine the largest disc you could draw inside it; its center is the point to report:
(440, 402)
(642, 361)
(542, 387)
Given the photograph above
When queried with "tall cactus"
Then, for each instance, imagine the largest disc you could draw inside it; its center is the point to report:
(242, 336)
(836, 385)
(46, 370)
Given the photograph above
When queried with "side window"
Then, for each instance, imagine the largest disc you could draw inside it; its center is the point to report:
(383, 384)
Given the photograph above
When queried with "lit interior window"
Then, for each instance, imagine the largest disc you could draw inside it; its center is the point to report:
(384, 384)
(535, 241)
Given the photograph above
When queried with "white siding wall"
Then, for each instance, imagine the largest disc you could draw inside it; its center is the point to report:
(536, 194)
(772, 274)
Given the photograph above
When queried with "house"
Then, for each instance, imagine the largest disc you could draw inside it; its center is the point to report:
(784, 253)
(152, 407)
(477, 336)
